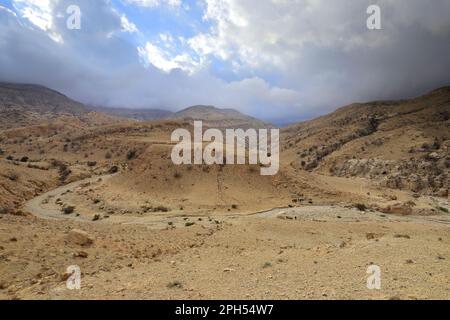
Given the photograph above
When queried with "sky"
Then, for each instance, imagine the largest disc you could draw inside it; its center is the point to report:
(278, 60)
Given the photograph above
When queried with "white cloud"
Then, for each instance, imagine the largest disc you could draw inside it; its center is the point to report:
(275, 59)
(155, 3)
(8, 11)
(167, 40)
(273, 33)
(40, 14)
(128, 26)
(323, 50)
(166, 62)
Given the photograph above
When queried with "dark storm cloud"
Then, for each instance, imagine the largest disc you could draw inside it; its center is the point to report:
(296, 59)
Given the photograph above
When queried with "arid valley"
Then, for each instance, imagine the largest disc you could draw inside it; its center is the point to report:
(96, 188)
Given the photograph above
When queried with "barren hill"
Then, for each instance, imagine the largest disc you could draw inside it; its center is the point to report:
(219, 118)
(401, 144)
(24, 105)
(211, 116)
(137, 114)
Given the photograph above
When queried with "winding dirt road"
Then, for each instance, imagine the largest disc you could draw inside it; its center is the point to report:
(34, 206)
(310, 213)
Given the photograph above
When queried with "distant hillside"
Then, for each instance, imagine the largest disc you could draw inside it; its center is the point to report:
(220, 118)
(402, 144)
(37, 98)
(27, 104)
(137, 114)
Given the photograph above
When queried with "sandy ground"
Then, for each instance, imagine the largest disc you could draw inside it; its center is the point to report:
(308, 252)
(166, 232)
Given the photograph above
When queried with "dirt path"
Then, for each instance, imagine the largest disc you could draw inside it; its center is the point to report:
(161, 220)
(34, 206)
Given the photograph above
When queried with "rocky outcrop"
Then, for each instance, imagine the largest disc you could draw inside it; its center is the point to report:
(79, 238)
(429, 175)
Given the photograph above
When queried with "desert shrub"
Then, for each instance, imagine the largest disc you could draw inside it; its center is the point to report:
(63, 170)
(447, 163)
(1, 152)
(161, 209)
(92, 163)
(189, 224)
(361, 207)
(443, 209)
(10, 158)
(113, 169)
(68, 210)
(312, 165)
(436, 144)
(108, 155)
(24, 159)
(234, 206)
(174, 284)
(425, 146)
(13, 176)
(177, 175)
(131, 154)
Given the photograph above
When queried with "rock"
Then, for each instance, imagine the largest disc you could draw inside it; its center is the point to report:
(3, 285)
(404, 236)
(19, 213)
(434, 156)
(79, 237)
(81, 254)
(370, 236)
(65, 276)
(403, 209)
(311, 165)
(443, 192)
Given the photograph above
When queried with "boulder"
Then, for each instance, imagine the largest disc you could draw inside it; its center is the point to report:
(79, 237)
(400, 208)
